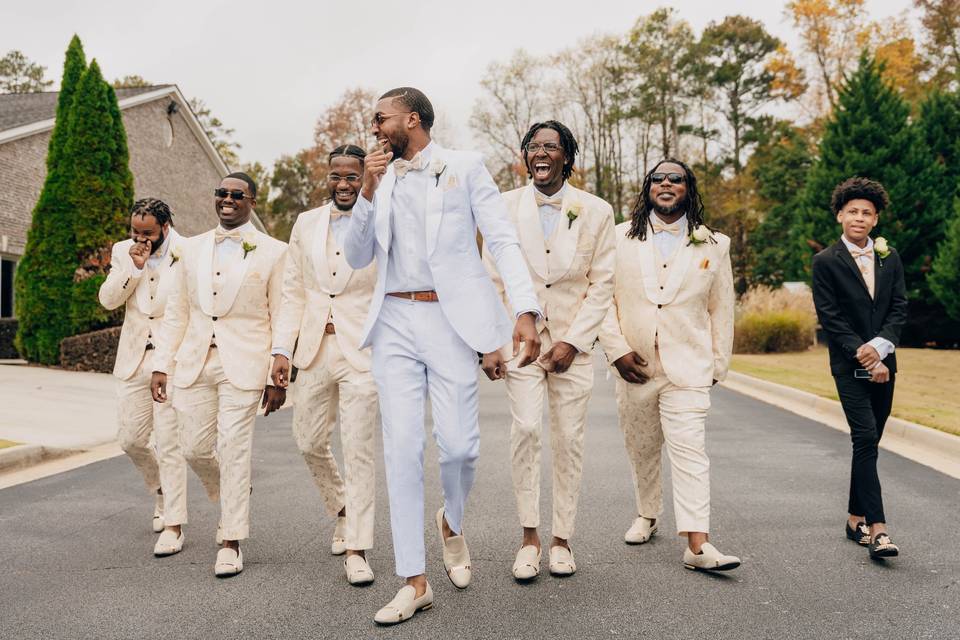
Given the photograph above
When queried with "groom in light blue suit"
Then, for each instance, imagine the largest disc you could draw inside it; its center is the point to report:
(433, 310)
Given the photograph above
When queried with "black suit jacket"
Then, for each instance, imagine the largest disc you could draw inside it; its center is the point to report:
(847, 313)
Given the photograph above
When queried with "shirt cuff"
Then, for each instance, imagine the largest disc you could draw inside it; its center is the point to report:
(136, 272)
(277, 351)
(883, 346)
(537, 316)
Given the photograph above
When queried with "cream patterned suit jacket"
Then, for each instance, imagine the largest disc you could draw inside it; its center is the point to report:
(573, 279)
(145, 298)
(691, 318)
(319, 288)
(242, 315)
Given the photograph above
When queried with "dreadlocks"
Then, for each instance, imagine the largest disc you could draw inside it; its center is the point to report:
(349, 150)
(152, 207)
(693, 202)
(567, 142)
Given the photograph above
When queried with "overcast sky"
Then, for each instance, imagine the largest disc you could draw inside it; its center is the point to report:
(267, 68)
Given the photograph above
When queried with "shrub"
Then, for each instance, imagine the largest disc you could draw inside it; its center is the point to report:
(94, 351)
(8, 331)
(774, 321)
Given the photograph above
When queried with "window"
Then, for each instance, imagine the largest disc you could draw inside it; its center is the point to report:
(7, 267)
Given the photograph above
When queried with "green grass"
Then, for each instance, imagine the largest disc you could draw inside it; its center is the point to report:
(927, 390)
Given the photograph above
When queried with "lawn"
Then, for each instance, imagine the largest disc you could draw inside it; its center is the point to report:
(928, 384)
(7, 443)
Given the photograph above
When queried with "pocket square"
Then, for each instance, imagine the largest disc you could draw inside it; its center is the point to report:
(452, 183)
(705, 264)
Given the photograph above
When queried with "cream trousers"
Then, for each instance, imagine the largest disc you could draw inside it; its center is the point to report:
(330, 381)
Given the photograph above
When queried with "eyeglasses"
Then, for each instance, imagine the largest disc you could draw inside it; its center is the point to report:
(351, 178)
(379, 118)
(549, 147)
(234, 195)
(674, 178)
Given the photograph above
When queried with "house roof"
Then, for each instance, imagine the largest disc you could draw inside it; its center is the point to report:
(19, 109)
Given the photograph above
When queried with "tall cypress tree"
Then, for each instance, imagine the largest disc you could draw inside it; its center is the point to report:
(45, 272)
(945, 275)
(101, 192)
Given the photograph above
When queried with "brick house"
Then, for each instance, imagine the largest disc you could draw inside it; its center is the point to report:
(170, 157)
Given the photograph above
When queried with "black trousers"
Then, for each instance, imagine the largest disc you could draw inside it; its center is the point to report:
(867, 406)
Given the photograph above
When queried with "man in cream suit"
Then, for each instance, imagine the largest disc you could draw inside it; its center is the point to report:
(140, 278)
(669, 334)
(433, 309)
(218, 329)
(567, 238)
(324, 303)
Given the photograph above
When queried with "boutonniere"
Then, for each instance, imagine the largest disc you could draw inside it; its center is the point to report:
(880, 245)
(700, 235)
(437, 167)
(573, 213)
(248, 245)
(174, 255)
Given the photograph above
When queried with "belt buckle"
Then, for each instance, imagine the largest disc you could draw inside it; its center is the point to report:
(413, 296)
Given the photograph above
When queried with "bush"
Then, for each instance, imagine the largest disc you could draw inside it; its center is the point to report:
(94, 351)
(774, 321)
(8, 331)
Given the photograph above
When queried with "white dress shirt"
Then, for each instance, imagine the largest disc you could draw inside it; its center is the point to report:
(550, 216)
(339, 226)
(883, 346)
(407, 266)
(665, 242)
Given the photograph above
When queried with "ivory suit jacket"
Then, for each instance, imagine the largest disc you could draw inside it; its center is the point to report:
(314, 294)
(691, 318)
(145, 298)
(461, 199)
(574, 281)
(242, 314)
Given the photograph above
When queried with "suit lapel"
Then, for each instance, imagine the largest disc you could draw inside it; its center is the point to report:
(844, 255)
(648, 267)
(384, 211)
(434, 200)
(567, 235)
(318, 251)
(531, 233)
(235, 276)
(205, 274)
(678, 270)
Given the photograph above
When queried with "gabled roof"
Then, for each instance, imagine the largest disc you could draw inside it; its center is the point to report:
(19, 109)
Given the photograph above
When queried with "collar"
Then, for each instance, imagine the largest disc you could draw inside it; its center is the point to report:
(681, 222)
(561, 193)
(852, 247)
(246, 227)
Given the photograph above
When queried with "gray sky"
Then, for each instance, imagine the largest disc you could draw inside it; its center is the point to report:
(268, 68)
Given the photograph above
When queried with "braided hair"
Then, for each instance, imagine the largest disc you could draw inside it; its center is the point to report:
(416, 101)
(349, 150)
(153, 207)
(641, 211)
(567, 142)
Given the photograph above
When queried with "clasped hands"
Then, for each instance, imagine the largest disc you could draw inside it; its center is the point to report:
(525, 331)
(273, 396)
(869, 359)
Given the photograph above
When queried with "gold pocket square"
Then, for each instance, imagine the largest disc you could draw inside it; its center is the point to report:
(705, 264)
(452, 183)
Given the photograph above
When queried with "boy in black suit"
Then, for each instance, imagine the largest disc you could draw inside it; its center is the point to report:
(861, 302)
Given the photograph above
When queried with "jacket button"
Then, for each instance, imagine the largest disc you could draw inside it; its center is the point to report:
(334, 273)
(214, 318)
(333, 295)
(659, 306)
(214, 293)
(664, 266)
(661, 287)
(338, 253)
(548, 286)
(151, 279)
(546, 319)
(218, 273)
(548, 250)
(151, 317)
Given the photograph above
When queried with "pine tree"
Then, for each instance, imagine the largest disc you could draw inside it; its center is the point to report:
(101, 192)
(945, 276)
(45, 272)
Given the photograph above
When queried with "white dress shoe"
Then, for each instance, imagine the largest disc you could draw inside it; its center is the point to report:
(168, 543)
(404, 605)
(358, 570)
(640, 531)
(709, 559)
(219, 537)
(339, 545)
(561, 561)
(456, 556)
(157, 522)
(527, 564)
(229, 562)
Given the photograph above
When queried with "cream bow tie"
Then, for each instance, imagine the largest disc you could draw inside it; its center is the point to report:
(401, 166)
(555, 201)
(221, 234)
(669, 228)
(859, 253)
(336, 214)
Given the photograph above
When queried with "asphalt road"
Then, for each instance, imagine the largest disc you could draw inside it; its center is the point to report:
(76, 549)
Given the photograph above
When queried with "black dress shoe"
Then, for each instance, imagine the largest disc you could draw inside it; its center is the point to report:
(882, 547)
(860, 535)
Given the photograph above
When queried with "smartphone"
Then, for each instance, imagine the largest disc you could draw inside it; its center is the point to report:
(862, 373)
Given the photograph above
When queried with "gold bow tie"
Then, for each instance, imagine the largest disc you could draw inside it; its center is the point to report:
(401, 166)
(859, 253)
(548, 201)
(669, 228)
(220, 235)
(336, 214)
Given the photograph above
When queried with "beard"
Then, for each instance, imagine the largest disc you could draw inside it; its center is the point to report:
(159, 243)
(399, 145)
(342, 207)
(680, 205)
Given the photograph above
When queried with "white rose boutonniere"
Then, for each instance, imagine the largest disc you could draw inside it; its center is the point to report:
(573, 213)
(174, 255)
(248, 245)
(701, 234)
(437, 167)
(880, 245)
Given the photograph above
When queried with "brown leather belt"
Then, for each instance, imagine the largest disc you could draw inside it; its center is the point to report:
(329, 328)
(418, 296)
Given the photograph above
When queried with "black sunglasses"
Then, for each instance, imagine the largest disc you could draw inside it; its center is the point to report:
(674, 178)
(236, 194)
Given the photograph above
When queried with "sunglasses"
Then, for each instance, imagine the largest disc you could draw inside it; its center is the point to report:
(674, 178)
(234, 195)
(380, 118)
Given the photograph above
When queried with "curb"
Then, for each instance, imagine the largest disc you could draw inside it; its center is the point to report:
(26, 455)
(926, 445)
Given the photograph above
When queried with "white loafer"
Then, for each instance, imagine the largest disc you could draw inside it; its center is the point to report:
(339, 545)
(456, 556)
(229, 562)
(157, 522)
(640, 531)
(404, 606)
(168, 543)
(561, 561)
(219, 537)
(358, 570)
(527, 564)
(709, 559)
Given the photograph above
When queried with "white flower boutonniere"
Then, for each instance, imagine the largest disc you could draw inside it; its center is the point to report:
(437, 167)
(248, 245)
(174, 255)
(701, 234)
(573, 213)
(880, 245)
